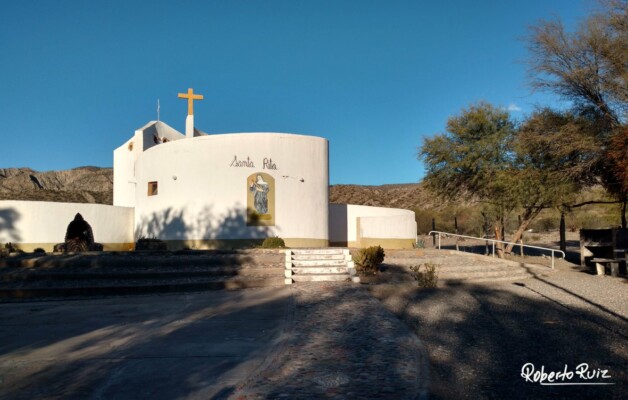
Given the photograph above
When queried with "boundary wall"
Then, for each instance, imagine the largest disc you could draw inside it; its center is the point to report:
(33, 224)
(363, 226)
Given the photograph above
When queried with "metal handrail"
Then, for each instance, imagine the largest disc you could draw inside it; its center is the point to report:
(497, 241)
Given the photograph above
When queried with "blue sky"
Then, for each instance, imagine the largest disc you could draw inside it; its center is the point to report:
(374, 77)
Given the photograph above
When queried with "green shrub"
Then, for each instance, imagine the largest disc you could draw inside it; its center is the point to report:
(39, 250)
(423, 220)
(369, 259)
(420, 244)
(273, 243)
(546, 224)
(427, 279)
(12, 248)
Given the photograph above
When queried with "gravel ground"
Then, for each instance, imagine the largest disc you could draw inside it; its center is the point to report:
(344, 345)
(480, 336)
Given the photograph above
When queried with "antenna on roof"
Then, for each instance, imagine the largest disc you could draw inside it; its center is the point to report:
(157, 109)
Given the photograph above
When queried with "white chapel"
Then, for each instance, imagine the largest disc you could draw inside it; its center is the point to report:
(205, 191)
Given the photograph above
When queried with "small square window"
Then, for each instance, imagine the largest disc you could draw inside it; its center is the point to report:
(152, 188)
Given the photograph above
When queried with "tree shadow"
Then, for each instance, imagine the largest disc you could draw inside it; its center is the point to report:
(479, 338)
(171, 224)
(8, 229)
(346, 345)
(156, 347)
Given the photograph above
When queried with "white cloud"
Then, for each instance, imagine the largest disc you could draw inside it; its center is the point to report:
(512, 107)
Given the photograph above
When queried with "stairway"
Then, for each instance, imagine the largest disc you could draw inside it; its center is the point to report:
(319, 265)
(101, 274)
(455, 266)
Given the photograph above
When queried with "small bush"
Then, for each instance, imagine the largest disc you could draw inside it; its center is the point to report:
(273, 243)
(369, 259)
(39, 250)
(427, 279)
(12, 248)
(546, 224)
(420, 244)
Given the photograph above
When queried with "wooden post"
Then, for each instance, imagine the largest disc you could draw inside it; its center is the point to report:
(456, 230)
(433, 235)
(563, 239)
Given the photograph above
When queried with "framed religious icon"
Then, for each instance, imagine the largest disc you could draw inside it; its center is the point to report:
(260, 200)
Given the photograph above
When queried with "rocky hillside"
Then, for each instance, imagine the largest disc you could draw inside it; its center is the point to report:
(78, 185)
(95, 185)
(409, 196)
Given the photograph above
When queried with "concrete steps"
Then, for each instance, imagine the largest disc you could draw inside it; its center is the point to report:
(319, 265)
(129, 273)
(457, 266)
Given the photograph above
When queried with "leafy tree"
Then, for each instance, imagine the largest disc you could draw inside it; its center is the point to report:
(589, 68)
(475, 158)
(618, 157)
(484, 156)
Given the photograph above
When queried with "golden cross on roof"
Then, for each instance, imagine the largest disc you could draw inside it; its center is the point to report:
(191, 97)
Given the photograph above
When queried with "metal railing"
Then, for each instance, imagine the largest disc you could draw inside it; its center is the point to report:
(493, 241)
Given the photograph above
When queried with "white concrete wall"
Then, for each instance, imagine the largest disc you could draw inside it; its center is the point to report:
(202, 197)
(373, 222)
(124, 175)
(388, 227)
(43, 223)
(126, 156)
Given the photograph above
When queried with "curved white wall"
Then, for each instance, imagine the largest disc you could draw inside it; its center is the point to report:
(32, 224)
(202, 193)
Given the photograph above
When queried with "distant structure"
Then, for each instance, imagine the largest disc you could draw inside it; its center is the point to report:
(220, 191)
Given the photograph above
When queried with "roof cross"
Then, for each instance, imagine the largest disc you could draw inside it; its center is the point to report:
(191, 97)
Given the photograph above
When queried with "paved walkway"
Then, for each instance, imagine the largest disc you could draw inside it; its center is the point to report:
(480, 336)
(313, 341)
(300, 342)
(194, 346)
(344, 345)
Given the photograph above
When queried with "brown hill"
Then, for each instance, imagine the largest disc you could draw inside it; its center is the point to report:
(78, 185)
(95, 185)
(409, 196)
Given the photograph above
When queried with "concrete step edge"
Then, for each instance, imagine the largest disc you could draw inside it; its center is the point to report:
(24, 293)
(78, 276)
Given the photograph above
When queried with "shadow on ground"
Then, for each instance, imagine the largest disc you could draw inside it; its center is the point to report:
(480, 336)
(345, 345)
(157, 347)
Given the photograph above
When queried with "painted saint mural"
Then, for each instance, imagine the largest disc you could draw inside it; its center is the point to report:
(260, 194)
(260, 200)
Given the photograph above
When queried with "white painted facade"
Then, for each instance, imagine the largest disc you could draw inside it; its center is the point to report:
(32, 224)
(201, 196)
(203, 185)
(126, 157)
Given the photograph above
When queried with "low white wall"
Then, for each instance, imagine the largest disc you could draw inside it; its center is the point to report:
(32, 224)
(355, 225)
(388, 227)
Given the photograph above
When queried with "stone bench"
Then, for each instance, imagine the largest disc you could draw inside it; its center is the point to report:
(613, 264)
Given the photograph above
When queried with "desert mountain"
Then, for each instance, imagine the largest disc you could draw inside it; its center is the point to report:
(78, 185)
(95, 185)
(408, 196)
